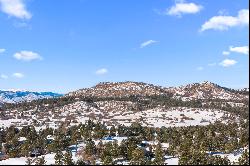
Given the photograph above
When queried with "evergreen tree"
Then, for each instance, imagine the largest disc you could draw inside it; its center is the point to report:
(193, 157)
(229, 147)
(138, 157)
(99, 148)
(28, 161)
(244, 159)
(25, 149)
(108, 153)
(90, 147)
(217, 160)
(159, 155)
(112, 131)
(123, 149)
(40, 161)
(59, 158)
(131, 146)
(80, 162)
(115, 149)
(67, 160)
(108, 160)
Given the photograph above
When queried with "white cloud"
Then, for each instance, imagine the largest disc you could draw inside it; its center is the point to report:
(18, 75)
(242, 50)
(102, 71)
(2, 50)
(147, 43)
(226, 22)
(225, 53)
(181, 8)
(228, 62)
(15, 8)
(211, 64)
(200, 68)
(3, 76)
(22, 24)
(27, 56)
(223, 12)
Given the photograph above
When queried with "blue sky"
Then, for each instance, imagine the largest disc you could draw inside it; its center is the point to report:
(64, 45)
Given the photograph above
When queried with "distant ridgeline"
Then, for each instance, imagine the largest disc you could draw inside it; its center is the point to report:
(24, 96)
(134, 96)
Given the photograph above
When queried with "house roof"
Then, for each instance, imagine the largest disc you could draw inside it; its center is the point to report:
(22, 139)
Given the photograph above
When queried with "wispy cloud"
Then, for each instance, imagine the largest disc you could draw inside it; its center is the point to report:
(15, 8)
(102, 71)
(182, 7)
(225, 22)
(3, 76)
(200, 68)
(225, 53)
(241, 50)
(2, 50)
(22, 24)
(147, 43)
(212, 64)
(18, 75)
(228, 62)
(27, 56)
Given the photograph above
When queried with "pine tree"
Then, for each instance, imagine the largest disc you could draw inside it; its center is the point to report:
(59, 158)
(193, 157)
(229, 147)
(99, 148)
(80, 162)
(138, 157)
(25, 149)
(108, 160)
(40, 161)
(67, 160)
(244, 159)
(107, 153)
(75, 136)
(90, 147)
(122, 149)
(28, 161)
(217, 160)
(115, 151)
(159, 155)
(112, 131)
(131, 146)
(14, 151)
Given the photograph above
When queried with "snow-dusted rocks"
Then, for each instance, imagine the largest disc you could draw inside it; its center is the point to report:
(205, 90)
(119, 89)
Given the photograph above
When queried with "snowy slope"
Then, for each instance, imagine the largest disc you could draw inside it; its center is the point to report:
(205, 90)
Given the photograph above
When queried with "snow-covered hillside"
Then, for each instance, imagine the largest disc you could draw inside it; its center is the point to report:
(117, 111)
(114, 113)
(119, 89)
(151, 110)
(205, 90)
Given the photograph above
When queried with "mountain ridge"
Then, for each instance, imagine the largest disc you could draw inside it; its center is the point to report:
(8, 96)
(127, 102)
(192, 91)
(203, 90)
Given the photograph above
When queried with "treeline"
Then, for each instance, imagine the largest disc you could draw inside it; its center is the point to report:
(189, 144)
